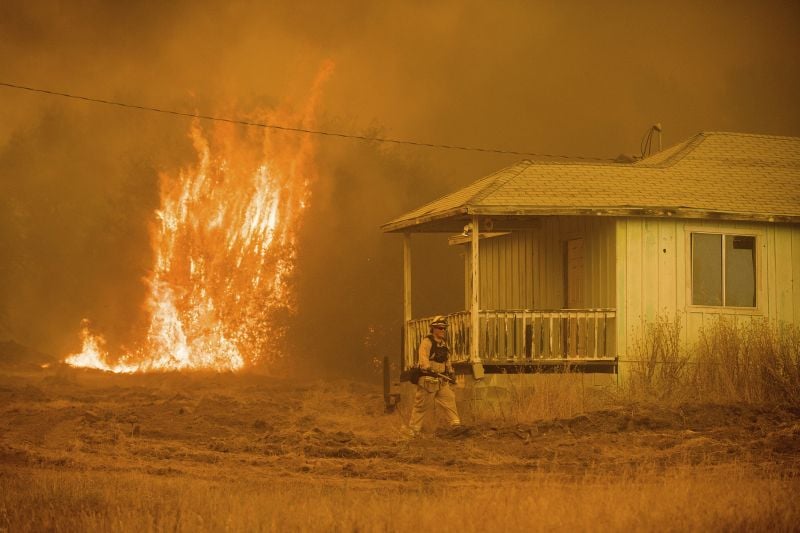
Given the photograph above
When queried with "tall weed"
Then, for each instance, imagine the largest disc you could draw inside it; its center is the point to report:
(752, 361)
(660, 366)
(755, 361)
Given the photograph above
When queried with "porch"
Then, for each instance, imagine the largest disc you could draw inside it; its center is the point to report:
(521, 340)
(539, 293)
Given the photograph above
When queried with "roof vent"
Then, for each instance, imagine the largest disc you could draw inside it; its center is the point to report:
(646, 145)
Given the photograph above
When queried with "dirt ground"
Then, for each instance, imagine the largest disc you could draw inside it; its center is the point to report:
(216, 427)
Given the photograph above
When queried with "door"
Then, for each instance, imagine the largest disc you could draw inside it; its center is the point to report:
(573, 337)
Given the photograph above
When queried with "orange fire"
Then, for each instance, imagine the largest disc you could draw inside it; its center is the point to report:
(224, 248)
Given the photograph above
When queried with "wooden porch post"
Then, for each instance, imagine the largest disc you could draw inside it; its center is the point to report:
(407, 294)
(475, 336)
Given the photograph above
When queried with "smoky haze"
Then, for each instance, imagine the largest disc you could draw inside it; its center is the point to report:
(79, 181)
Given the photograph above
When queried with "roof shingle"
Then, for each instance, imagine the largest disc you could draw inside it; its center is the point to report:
(729, 175)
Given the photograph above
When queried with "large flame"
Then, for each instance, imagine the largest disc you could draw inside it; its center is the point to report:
(224, 250)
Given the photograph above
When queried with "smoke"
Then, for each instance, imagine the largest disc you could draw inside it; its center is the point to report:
(78, 181)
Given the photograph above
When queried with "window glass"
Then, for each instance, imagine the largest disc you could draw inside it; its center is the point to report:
(706, 269)
(740, 270)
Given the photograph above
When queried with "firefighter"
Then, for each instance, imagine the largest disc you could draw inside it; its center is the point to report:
(434, 355)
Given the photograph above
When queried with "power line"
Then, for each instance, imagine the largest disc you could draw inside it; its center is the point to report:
(292, 129)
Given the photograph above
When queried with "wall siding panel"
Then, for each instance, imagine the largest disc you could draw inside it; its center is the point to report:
(650, 273)
(771, 293)
(783, 274)
(795, 261)
(634, 273)
(621, 269)
(668, 288)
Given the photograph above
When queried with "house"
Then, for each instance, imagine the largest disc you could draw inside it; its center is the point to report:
(566, 262)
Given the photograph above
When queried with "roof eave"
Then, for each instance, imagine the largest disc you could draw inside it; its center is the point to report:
(427, 223)
(637, 211)
(406, 225)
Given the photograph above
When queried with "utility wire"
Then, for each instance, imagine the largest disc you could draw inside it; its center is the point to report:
(292, 129)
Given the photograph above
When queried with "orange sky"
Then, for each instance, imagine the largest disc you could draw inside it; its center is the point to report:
(78, 182)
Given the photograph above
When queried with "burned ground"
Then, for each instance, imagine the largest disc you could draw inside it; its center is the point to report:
(217, 426)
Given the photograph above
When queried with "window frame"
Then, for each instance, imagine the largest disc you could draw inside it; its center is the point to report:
(760, 240)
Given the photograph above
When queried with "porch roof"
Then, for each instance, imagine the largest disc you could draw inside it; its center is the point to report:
(732, 176)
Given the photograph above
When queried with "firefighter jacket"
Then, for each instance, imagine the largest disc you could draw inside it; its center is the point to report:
(434, 355)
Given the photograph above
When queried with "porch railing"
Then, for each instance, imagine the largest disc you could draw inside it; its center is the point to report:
(509, 336)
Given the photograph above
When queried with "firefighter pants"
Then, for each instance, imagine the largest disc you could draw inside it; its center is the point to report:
(432, 391)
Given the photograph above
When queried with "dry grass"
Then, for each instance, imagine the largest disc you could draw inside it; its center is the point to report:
(753, 362)
(86, 451)
(526, 398)
(732, 498)
(660, 367)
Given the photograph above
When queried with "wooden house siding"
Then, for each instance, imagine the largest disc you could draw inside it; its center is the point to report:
(783, 282)
(654, 275)
(525, 269)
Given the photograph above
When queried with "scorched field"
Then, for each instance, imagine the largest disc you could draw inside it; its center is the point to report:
(86, 450)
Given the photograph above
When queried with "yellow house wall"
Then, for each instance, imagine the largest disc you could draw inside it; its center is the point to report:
(525, 269)
(654, 277)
